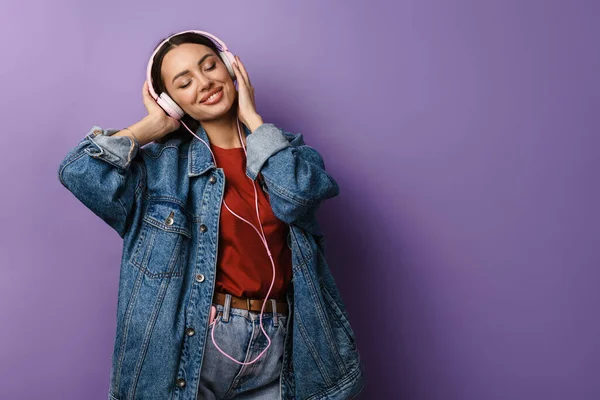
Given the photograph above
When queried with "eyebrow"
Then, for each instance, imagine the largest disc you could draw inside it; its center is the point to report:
(186, 71)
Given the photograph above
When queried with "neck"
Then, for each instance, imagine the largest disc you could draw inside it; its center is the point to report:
(223, 132)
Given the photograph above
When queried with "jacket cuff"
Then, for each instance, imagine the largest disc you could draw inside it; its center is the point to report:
(265, 141)
(116, 150)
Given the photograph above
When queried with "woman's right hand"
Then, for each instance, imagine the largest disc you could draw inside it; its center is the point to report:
(165, 123)
(153, 126)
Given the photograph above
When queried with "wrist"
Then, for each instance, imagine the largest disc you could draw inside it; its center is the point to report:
(151, 128)
(153, 125)
(254, 122)
(133, 135)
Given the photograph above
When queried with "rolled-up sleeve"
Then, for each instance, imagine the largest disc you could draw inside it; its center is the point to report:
(103, 173)
(294, 173)
(116, 150)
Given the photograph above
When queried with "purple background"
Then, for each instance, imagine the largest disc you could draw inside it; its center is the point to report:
(464, 136)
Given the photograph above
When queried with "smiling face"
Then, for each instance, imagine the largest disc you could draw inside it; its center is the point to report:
(198, 81)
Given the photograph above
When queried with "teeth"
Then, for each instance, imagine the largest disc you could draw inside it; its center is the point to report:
(212, 97)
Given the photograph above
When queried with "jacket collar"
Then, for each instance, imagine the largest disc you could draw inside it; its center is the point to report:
(199, 157)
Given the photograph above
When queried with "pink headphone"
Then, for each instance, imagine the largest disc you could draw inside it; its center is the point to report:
(163, 100)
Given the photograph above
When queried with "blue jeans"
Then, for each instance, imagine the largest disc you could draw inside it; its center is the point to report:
(237, 332)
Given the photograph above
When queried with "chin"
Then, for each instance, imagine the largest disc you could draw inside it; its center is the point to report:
(220, 111)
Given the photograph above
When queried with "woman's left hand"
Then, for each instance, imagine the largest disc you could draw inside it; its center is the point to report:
(246, 105)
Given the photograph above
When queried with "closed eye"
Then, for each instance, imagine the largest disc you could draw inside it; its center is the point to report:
(183, 73)
(210, 68)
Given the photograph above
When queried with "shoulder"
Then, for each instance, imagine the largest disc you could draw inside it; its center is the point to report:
(174, 142)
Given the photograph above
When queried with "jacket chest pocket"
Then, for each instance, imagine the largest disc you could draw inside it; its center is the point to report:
(162, 247)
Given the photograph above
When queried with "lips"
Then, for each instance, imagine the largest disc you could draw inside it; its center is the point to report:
(210, 94)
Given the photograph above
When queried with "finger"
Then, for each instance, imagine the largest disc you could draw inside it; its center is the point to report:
(238, 74)
(146, 91)
(241, 74)
(242, 84)
(244, 72)
(148, 100)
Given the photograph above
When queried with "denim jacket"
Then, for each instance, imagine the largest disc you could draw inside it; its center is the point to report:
(164, 200)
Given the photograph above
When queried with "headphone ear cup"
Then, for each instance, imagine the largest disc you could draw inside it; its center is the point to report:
(228, 60)
(170, 106)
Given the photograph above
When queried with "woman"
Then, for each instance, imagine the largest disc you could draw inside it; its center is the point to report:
(224, 291)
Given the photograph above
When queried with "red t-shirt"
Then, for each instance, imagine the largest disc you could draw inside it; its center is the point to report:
(243, 265)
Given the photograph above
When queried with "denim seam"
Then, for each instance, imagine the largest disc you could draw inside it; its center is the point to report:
(147, 334)
(152, 198)
(243, 368)
(100, 156)
(126, 324)
(348, 379)
(282, 192)
(142, 245)
(77, 151)
(152, 155)
(178, 230)
(60, 174)
(285, 355)
(320, 312)
(338, 314)
(149, 153)
(120, 184)
(141, 185)
(314, 353)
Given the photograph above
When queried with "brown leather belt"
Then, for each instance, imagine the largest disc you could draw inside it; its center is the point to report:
(251, 304)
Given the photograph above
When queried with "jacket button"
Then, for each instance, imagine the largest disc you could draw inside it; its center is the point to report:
(169, 221)
(200, 278)
(190, 331)
(180, 382)
(212, 179)
(203, 228)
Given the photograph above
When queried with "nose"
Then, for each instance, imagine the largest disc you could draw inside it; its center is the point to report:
(204, 83)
